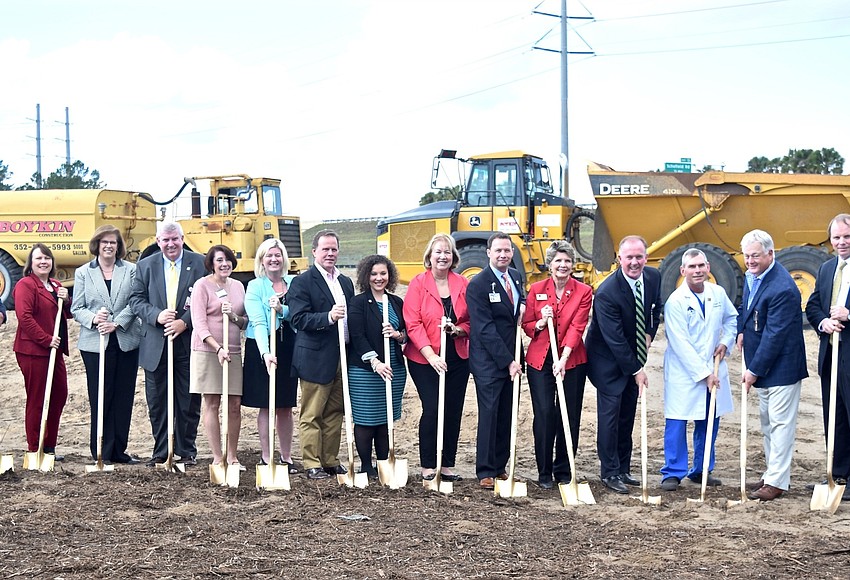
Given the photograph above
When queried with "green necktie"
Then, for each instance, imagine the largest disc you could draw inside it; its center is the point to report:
(171, 286)
(640, 324)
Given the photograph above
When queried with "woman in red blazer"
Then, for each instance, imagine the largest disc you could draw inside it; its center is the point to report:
(36, 306)
(567, 302)
(431, 295)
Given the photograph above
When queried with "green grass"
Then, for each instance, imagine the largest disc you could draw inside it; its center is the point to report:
(356, 240)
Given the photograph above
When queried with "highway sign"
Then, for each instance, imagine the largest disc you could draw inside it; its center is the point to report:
(677, 167)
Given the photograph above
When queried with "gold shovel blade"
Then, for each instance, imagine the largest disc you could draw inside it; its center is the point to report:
(826, 497)
(273, 477)
(172, 466)
(351, 479)
(100, 467)
(503, 488)
(35, 461)
(648, 499)
(393, 472)
(7, 463)
(231, 477)
(444, 487)
(218, 475)
(576, 494)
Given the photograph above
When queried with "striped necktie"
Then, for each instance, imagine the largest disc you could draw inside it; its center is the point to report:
(640, 324)
(508, 288)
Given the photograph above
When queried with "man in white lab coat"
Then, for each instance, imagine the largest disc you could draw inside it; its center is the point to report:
(700, 322)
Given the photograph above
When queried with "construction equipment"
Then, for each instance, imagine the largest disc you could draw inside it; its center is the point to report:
(709, 433)
(827, 497)
(437, 483)
(509, 191)
(240, 212)
(100, 466)
(743, 452)
(39, 460)
(510, 487)
(644, 490)
(350, 478)
(572, 493)
(391, 471)
(170, 464)
(273, 475)
(225, 473)
(712, 211)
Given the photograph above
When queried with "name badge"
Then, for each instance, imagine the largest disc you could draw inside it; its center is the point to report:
(542, 297)
(495, 297)
(222, 293)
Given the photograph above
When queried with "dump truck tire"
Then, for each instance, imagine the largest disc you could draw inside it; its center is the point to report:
(473, 259)
(803, 263)
(10, 273)
(724, 271)
(581, 235)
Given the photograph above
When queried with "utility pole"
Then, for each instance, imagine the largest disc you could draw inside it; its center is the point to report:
(67, 138)
(38, 182)
(565, 139)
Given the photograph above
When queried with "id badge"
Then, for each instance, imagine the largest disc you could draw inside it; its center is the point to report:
(542, 297)
(494, 297)
(221, 293)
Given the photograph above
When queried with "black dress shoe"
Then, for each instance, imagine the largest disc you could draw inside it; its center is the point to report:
(670, 483)
(154, 461)
(545, 483)
(451, 477)
(614, 483)
(628, 479)
(710, 481)
(188, 461)
(317, 473)
(838, 481)
(127, 459)
(336, 470)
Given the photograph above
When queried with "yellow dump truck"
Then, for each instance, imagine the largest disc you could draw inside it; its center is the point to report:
(510, 192)
(712, 211)
(239, 212)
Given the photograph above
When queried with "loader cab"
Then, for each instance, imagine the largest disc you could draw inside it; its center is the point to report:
(506, 179)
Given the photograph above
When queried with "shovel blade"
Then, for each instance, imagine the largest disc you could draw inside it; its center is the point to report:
(393, 472)
(444, 487)
(649, 499)
(231, 477)
(32, 459)
(273, 477)
(826, 497)
(503, 488)
(7, 463)
(218, 475)
(172, 466)
(576, 494)
(352, 479)
(100, 467)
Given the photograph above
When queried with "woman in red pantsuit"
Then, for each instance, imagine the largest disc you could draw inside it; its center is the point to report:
(36, 306)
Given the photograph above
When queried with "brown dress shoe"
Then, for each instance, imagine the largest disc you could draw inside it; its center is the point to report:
(755, 486)
(487, 483)
(503, 476)
(766, 493)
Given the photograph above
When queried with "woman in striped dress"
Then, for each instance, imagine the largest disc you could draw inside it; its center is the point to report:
(368, 368)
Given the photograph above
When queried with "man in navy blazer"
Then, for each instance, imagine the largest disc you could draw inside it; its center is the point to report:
(149, 300)
(614, 356)
(317, 302)
(770, 331)
(828, 313)
(493, 298)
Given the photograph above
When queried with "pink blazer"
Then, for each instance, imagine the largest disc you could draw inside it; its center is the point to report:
(571, 314)
(36, 310)
(423, 310)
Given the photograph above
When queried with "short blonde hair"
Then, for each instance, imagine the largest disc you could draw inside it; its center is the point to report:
(450, 241)
(262, 250)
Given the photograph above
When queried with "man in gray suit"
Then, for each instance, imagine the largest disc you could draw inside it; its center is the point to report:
(161, 299)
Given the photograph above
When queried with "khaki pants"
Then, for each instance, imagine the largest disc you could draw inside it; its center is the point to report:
(320, 425)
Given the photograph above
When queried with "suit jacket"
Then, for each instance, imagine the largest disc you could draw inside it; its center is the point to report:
(774, 348)
(365, 327)
(90, 295)
(316, 353)
(570, 320)
(493, 325)
(612, 338)
(3, 313)
(423, 311)
(817, 308)
(36, 310)
(148, 299)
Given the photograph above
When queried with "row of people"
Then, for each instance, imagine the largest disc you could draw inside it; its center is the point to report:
(701, 324)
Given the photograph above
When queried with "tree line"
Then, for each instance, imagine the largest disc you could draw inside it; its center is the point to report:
(68, 176)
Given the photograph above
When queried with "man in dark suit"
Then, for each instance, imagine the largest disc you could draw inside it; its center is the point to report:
(317, 302)
(494, 297)
(827, 312)
(626, 314)
(770, 331)
(160, 298)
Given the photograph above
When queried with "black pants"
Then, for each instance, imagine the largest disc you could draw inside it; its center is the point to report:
(493, 448)
(427, 383)
(841, 456)
(615, 422)
(548, 427)
(187, 407)
(119, 391)
(364, 437)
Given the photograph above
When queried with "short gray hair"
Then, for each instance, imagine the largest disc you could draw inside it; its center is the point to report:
(757, 237)
(693, 253)
(168, 227)
(559, 247)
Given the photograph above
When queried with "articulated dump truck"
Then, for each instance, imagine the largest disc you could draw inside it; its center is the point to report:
(239, 212)
(712, 211)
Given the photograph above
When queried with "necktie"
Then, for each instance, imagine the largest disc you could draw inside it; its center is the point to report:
(836, 282)
(339, 298)
(640, 324)
(753, 289)
(171, 286)
(508, 288)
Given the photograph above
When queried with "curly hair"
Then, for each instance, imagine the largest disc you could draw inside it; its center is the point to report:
(364, 270)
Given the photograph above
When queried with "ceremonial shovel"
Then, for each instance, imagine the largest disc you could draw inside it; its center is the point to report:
(508, 487)
(39, 460)
(572, 493)
(709, 433)
(7, 461)
(827, 497)
(101, 386)
(351, 479)
(644, 495)
(391, 471)
(170, 464)
(437, 484)
(743, 452)
(273, 476)
(224, 473)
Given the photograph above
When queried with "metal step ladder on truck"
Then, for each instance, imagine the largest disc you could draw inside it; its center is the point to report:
(239, 212)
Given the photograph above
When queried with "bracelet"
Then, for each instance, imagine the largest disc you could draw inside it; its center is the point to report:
(219, 348)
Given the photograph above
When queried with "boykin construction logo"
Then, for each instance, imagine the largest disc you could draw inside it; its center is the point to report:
(42, 227)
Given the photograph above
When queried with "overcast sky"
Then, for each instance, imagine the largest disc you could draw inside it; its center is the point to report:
(347, 101)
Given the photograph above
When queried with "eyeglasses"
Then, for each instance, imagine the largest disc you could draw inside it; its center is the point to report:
(108, 243)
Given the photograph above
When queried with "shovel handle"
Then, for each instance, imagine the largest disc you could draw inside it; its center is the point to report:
(48, 388)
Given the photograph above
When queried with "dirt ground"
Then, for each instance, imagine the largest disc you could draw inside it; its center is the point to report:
(140, 523)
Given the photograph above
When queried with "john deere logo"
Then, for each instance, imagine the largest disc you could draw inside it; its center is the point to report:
(474, 221)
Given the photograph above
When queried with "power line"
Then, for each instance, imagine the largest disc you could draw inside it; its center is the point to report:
(677, 12)
(724, 46)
